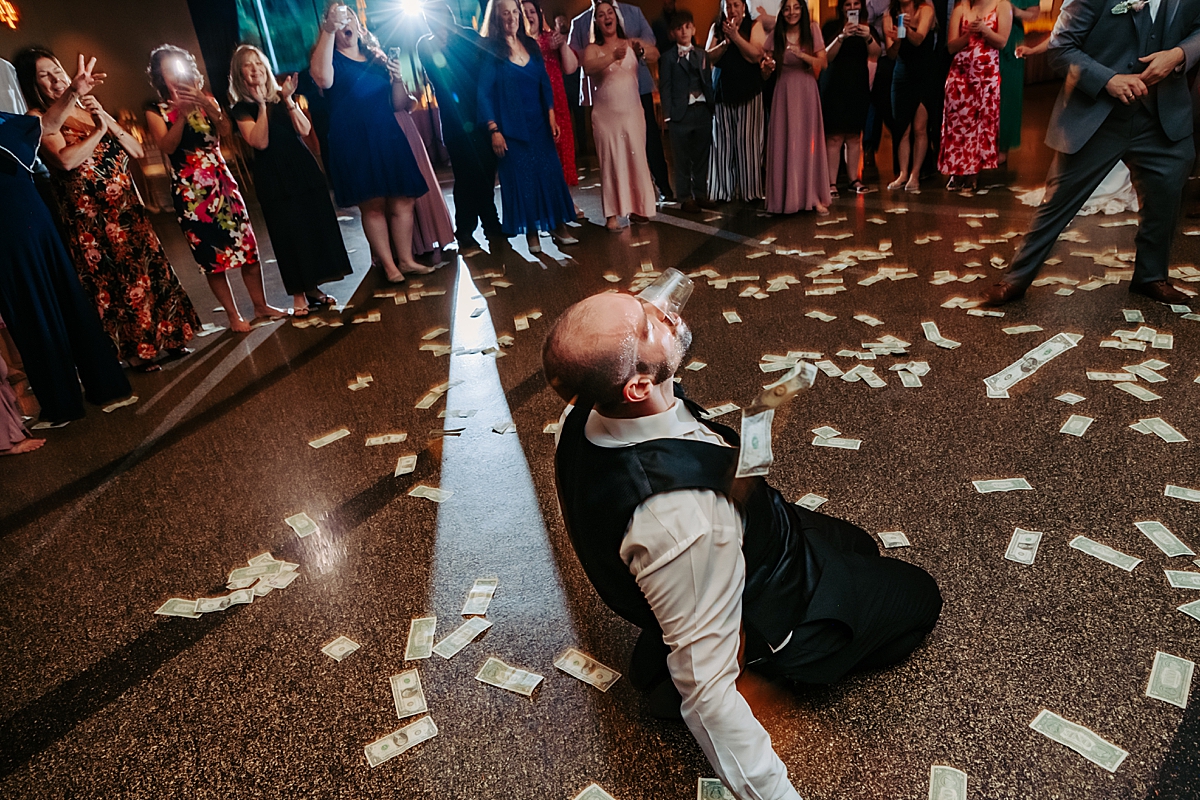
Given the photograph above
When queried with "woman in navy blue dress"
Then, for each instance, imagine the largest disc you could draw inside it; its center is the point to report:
(370, 162)
(52, 322)
(516, 104)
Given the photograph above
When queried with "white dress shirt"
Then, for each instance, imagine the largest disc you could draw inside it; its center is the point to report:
(11, 99)
(1154, 4)
(684, 549)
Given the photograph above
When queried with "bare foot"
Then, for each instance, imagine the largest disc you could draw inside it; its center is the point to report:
(239, 325)
(24, 446)
(822, 210)
(913, 185)
(300, 310)
(414, 268)
(899, 182)
(613, 224)
(270, 311)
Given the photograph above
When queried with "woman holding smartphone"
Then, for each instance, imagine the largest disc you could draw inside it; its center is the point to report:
(370, 162)
(846, 90)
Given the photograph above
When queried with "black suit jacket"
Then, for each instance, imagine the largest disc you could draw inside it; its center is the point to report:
(1090, 44)
(674, 80)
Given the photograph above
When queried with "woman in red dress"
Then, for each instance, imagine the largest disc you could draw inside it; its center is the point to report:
(971, 120)
(560, 60)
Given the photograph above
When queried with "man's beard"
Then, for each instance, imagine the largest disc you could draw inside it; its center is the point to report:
(683, 345)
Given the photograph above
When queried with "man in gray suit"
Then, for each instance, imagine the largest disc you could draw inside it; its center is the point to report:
(1125, 99)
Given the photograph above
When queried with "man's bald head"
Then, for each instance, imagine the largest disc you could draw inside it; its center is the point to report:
(601, 344)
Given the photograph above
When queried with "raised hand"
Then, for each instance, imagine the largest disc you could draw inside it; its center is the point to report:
(557, 40)
(335, 18)
(289, 86)
(85, 79)
(731, 30)
(619, 52)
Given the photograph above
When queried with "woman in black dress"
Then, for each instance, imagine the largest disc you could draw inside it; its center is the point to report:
(909, 34)
(52, 322)
(295, 201)
(846, 89)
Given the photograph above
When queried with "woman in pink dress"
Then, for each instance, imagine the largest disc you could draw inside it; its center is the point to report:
(433, 230)
(971, 120)
(797, 168)
(618, 122)
(560, 60)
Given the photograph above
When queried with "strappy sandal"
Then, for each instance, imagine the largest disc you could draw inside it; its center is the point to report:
(834, 194)
(859, 187)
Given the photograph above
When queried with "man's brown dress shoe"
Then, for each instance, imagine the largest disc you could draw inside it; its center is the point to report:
(1002, 293)
(690, 206)
(1161, 291)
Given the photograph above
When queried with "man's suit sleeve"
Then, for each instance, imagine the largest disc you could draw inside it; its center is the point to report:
(684, 549)
(1066, 52)
(665, 72)
(1191, 46)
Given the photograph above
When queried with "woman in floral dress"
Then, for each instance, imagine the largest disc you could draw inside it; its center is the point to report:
(560, 60)
(187, 126)
(971, 119)
(120, 261)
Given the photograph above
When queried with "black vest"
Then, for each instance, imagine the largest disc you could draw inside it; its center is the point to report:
(599, 488)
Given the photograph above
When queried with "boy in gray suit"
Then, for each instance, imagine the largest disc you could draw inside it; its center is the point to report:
(1125, 99)
(686, 90)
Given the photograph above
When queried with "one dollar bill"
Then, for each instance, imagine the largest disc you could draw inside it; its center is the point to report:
(1163, 539)
(712, 789)
(1105, 553)
(594, 792)
(1024, 546)
(1180, 579)
(462, 636)
(396, 743)
(1182, 493)
(947, 783)
(1003, 485)
(1100, 752)
(587, 669)
(480, 596)
(1171, 679)
(495, 672)
(420, 638)
(408, 694)
(754, 455)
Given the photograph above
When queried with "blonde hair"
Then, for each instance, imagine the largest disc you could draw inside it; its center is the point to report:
(239, 90)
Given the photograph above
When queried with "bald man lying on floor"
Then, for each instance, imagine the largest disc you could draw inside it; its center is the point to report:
(719, 573)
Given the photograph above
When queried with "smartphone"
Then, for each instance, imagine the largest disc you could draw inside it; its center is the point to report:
(395, 54)
(852, 16)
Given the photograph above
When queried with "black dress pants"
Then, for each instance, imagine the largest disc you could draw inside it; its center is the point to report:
(1159, 168)
(887, 608)
(654, 149)
(474, 166)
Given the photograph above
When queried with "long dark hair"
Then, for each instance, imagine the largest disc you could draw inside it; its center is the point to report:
(154, 72)
(894, 9)
(780, 34)
(596, 24)
(746, 17)
(541, 23)
(493, 32)
(25, 63)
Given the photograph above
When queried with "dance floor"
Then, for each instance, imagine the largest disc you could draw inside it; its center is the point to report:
(123, 511)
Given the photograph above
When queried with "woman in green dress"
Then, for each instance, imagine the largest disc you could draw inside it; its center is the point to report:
(1012, 78)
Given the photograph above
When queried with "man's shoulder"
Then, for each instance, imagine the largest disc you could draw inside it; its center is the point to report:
(630, 10)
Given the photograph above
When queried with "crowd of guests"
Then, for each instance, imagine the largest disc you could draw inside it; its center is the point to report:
(767, 109)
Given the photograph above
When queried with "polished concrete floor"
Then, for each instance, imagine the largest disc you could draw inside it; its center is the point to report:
(122, 511)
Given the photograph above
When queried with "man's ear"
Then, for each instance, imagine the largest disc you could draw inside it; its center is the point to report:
(638, 388)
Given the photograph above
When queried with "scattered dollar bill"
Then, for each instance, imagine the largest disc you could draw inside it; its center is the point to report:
(1145, 395)
(420, 638)
(329, 438)
(731, 316)
(721, 410)
(593, 792)
(255, 572)
(505, 427)
(495, 672)
(1002, 485)
(1111, 376)
(1163, 539)
(821, 315)
(1070, 398)
(1105, 553)
(480, 596)
(128, 401)
(838, 442)
(1083, 741)
(396, 743)
(461, 637)
(1171, 679)
(179, 607)
(435, 333)
(1031, 362)
(1162, 429)
(1145, 373)
(339, 648)
(386, 438)
(405, 465)
(302, 524)
(826, 432)
(932, 333)
(283, 580)
(1181, 579)
(408, 695)
(696, 366)
(1023, 546)
(892, 539)
(587, 669)
(431, 493)
(1182, 493)
(947, 783)
(868, 319)
(909, 380)
(755, 456)
(712, 789)
(1076, 425)
(1133, 315)
(1192, 609)
(812, 501)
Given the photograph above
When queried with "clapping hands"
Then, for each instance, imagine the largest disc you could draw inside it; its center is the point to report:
(288, 87)
(619, 52)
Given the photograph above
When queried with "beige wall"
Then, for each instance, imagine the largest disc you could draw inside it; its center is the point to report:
(120, 33)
